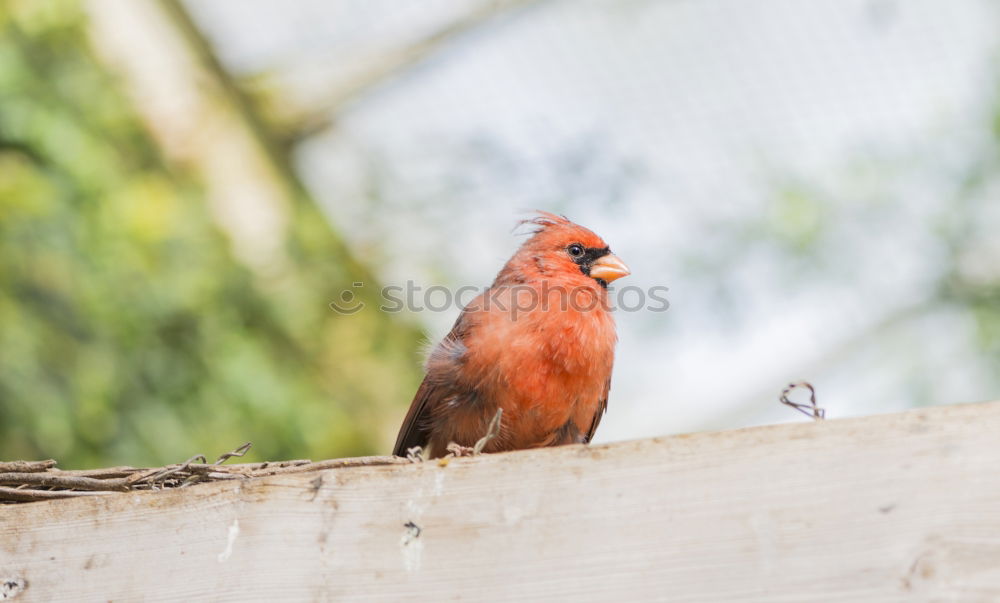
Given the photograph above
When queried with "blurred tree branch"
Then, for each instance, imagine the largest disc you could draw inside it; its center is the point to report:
(297, 121)
(200, 122)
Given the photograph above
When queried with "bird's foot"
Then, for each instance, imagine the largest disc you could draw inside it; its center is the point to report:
(456, 450)
(415, 454)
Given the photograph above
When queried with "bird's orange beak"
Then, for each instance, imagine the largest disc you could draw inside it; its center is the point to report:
(608, 268)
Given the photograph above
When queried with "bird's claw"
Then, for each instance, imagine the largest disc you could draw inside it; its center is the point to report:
(457, 450)
(415, 454)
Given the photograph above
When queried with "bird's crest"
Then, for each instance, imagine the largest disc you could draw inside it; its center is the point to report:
(551, 228)
(543, 220)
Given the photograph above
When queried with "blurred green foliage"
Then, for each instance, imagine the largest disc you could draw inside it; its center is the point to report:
(128, 332)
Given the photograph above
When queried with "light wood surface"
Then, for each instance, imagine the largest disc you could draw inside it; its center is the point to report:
(899, 507)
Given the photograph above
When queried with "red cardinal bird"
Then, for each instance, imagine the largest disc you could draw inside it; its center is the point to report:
(538, 344)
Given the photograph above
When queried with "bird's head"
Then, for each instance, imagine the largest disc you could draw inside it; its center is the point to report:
(560, 247)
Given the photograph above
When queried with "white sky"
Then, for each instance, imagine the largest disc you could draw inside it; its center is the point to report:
(665, 126)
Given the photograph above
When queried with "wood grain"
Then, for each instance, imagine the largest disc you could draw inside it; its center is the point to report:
(890, 508)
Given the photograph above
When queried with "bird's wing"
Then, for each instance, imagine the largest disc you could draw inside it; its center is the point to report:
(412, 433)
(601, 409)
(415, 430)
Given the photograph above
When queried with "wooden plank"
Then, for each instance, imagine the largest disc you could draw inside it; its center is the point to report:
(890, 508)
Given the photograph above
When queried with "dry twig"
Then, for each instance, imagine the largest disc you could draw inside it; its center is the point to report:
(26, 466)
(29, 481)
(492, 431)
(25, 495)
(54, 480)
(241, 451)
(810, 409)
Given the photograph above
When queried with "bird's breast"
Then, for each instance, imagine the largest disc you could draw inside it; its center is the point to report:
(544, 364)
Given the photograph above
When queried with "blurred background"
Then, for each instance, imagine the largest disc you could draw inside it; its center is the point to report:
(186, 186)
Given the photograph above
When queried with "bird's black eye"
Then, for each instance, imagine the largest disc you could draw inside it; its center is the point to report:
(575, 250)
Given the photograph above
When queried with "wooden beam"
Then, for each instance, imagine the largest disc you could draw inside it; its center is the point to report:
(895, 507)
